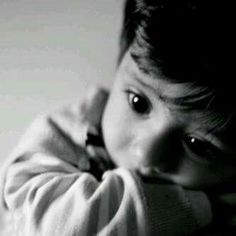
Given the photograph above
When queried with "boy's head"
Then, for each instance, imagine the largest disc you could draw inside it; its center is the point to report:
(171, 110)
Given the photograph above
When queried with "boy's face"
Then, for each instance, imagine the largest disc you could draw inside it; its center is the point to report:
(147, 131)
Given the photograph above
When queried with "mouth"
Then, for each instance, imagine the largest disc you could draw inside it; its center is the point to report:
(152, 174)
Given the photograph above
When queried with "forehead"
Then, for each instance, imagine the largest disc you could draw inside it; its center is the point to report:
(186, 95)
(186, 100)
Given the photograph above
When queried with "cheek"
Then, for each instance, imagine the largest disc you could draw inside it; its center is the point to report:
(197, 176)
(119, 132)
(115, 127)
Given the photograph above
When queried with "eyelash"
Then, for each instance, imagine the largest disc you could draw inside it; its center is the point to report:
(201, 150)
(144, 106)
(196, 147)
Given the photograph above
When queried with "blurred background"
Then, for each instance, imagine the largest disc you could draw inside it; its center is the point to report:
(51, 51)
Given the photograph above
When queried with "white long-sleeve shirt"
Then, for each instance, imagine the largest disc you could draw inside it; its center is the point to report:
(53, 184)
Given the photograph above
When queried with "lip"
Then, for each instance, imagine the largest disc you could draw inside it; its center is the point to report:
(152, 173)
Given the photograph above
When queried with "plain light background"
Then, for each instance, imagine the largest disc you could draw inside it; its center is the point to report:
(51, 52)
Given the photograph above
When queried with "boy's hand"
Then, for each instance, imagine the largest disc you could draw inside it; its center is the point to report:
(174, 210)
(223, 207)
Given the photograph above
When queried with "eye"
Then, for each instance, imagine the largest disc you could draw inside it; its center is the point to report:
(201, 149)
(139, 103)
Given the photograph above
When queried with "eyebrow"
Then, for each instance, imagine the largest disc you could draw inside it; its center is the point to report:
(191, 101)
(198, 101)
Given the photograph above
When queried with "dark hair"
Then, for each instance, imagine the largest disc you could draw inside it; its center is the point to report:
(184, 41)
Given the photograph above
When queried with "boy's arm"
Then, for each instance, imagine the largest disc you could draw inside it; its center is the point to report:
(48, 194)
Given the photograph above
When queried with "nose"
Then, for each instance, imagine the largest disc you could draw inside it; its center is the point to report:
(158, 149)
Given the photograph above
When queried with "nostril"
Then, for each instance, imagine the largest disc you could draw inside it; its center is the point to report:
(148, 171)
(150, 174)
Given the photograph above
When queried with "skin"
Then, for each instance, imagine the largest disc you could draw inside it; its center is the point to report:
(145, 131)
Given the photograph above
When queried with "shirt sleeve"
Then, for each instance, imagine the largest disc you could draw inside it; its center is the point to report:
(47, 193)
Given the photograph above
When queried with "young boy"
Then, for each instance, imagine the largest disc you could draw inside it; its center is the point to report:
(156, 156)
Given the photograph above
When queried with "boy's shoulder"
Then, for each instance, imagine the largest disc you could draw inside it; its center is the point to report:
(67, 124)
(76, 119)
(86, 112)
(92, 106)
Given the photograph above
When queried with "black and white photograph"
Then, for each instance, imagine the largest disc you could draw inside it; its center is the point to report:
(117, 118)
